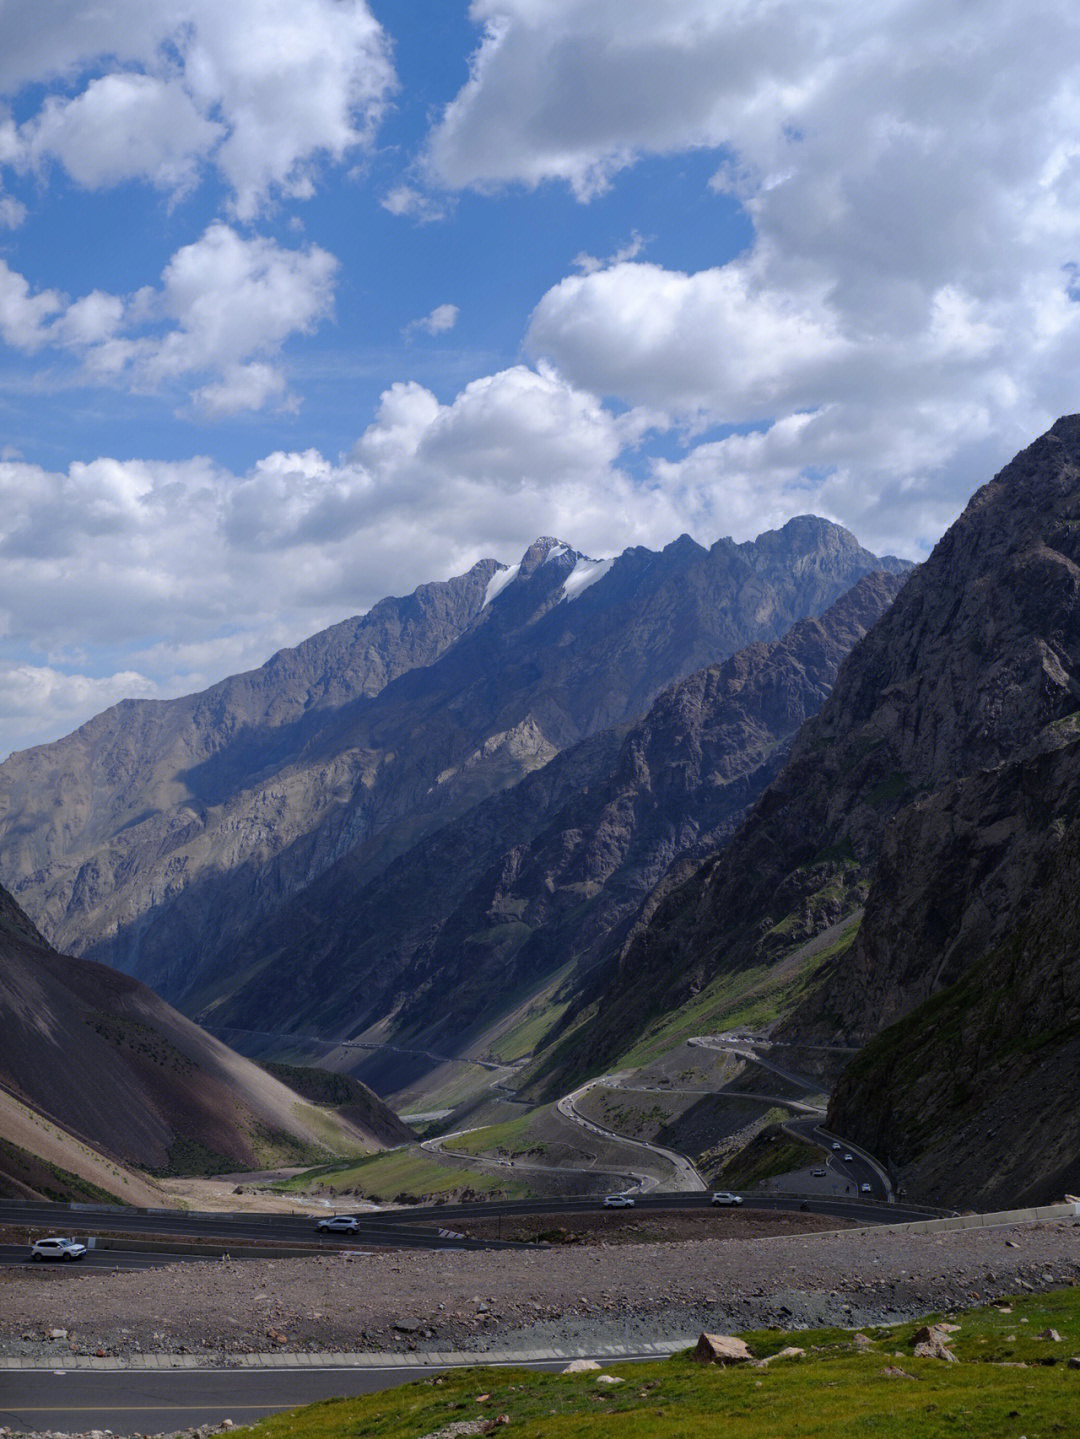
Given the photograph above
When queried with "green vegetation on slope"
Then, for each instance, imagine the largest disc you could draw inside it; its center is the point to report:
(768, 1154)
(525, 1036)
(838, 1389)
(18, 1167)
(320, 1086)
(743, 999)
(516, 1136)
(402, 1175)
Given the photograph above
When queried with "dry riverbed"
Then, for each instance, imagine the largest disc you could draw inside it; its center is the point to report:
(564, 1295)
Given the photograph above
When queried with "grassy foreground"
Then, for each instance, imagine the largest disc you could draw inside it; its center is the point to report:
(1010, 1381)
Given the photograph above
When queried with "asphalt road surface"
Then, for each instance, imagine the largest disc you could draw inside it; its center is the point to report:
(178, 1225)
(860, 1169)
(96, 1259)
(154, 1401)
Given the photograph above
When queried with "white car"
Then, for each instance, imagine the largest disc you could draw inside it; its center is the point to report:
(56, 1247)
(618, 1201)
(725, 1196)
(865, 1189)
(837, 1144)
(340, 1224)
(849, 1159)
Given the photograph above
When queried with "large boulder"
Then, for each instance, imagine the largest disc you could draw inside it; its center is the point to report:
(722, 1349)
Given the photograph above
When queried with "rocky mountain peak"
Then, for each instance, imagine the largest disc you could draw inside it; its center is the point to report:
(543, 550)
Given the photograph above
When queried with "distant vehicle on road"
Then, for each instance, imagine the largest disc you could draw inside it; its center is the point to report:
(618, 1201)
(725, 1196)
(340, 1224)
(56, 1247)
(837, 1144)
(865, 1189)
(849, 1159)
(818, 1173)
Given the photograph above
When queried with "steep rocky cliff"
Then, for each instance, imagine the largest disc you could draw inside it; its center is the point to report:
(542, 875)
(158, 835)
(971, 1097)
(935, 788)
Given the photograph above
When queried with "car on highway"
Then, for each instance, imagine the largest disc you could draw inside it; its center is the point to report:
(339, 1224)
(849, 1159)
(865, 1189)
(837, 1144)
(618, 1201)
(817, 1173)
(725, 1196)
(56, 1247)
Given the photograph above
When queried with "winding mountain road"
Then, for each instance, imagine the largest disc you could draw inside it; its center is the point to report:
(862, 1167)
(687, 1178)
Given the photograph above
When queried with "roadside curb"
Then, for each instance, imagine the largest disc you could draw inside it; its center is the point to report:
(999, 1220)
(328, 1359)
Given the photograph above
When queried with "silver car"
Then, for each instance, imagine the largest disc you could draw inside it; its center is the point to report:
(618, 1201)
(725, 1196)
(340, 1224)
(56, 1247)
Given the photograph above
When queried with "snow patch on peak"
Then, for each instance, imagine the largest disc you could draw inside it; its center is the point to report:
(585, 573)
(498, 582)
(555, 552)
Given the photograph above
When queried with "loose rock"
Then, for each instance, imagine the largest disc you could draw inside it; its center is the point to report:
(722, 1349)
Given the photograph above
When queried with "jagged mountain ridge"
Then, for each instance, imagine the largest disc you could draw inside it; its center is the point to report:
(931, 787)
(98, 1056)
(161, 870)
(544, 873)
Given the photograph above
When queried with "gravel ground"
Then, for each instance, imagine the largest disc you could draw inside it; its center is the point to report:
(569, 1296)
(652, 1226)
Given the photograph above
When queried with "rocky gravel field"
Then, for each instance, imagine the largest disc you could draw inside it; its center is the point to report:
(568, 1296)
(651, 1226)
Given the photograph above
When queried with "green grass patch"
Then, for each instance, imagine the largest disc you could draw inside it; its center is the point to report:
(402, 1175)
(516, 1136)
(836, 1391)
(747, 998)
(526, 1036)
(768, 1154)
(49, 1180)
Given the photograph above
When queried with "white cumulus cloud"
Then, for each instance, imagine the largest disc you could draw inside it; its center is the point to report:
(225, 307)
(441, 319)
(263, 89)
(908, 307)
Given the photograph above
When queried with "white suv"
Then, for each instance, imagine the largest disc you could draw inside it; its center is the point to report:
(725, 1196)
(56, 1248)
(340, 1224)
(618, 1201)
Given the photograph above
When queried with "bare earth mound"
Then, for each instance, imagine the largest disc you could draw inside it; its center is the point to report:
(98, 1056)
(652, 1226)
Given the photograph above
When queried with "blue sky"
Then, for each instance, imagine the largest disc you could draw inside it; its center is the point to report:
(304, 303)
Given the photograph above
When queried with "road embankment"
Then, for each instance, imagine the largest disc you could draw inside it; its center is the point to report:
(439, 1299)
